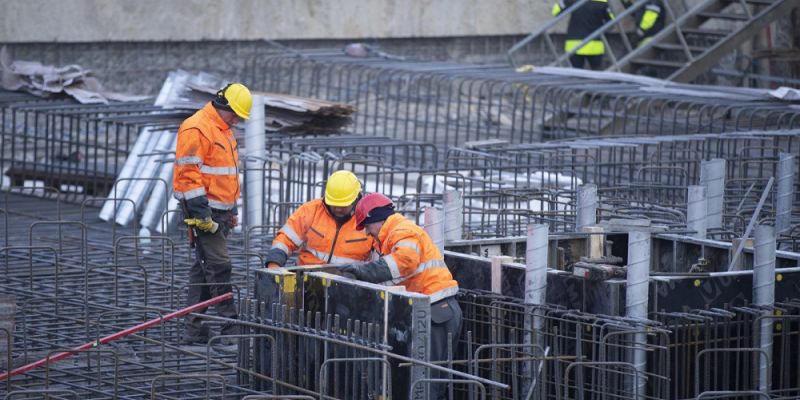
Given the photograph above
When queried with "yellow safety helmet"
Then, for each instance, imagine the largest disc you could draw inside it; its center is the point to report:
(238, 98)
(342, 189)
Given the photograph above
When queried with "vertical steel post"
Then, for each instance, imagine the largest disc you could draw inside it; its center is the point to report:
(783, 206)
(697, 211)
(586, 211)
(636, 295)
(255, 147)
(712, 176)
(764, 296)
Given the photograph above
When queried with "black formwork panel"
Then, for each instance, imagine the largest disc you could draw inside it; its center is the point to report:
(563, 288)
(386, 317)
(717, 290)
(670, 293)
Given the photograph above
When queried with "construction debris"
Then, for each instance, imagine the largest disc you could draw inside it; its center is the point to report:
(47, 81)
(283, 113)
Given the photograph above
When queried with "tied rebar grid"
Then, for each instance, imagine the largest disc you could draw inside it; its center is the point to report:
(504, 186)
(578, 355)
(718, 350)
(78, 149)
(76, 281)
(451, 104)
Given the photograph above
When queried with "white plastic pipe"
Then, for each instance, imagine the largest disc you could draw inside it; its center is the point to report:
(145, 169)
(255, 147)
(697, 211)
(158, 200)
(536, 264)
(586, 211)
(434, 226)
(764, 295)
(636, 296)
(783, 203)
(453, 214)
(128, 170)
(712, 176)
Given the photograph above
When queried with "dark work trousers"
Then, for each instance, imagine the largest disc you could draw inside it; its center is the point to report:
(210, 276)
(446, 322)
(595, 62)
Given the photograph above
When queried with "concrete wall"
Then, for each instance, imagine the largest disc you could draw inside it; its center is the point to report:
(141, 67)
(194, 20)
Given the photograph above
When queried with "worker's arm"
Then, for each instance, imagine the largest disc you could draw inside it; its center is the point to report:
(609, 15)
(404, 260)
(290, 237)
(649, 18)
(187, 182)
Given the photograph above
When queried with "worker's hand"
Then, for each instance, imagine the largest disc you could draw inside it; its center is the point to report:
(234, 220)
(273, 265)
(205, 225)
(349, 271)
(375, 271)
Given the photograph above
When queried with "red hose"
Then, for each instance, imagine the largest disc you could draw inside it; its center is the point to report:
(117, 335)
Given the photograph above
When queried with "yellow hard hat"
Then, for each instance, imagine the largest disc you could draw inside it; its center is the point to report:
(342, 189)
(238, 98)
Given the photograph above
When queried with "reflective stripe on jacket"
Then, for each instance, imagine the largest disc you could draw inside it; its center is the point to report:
(313, 231)
(206, 160)
(414, 260)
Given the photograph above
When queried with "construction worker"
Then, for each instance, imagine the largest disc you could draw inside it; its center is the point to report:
(582, 22)
(411, 259)
(206, 181)
(323, 230)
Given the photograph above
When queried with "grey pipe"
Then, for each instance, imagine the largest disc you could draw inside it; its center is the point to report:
(453, 214)
(636, 295)
(434, 226)
(764, 296)
(697, 211)
(255, 147)
(586, 211)
(535, 286)
(712, 176)
(783, 203)
(536, 264)
(146, 136)
(146, 168)
(157, 202)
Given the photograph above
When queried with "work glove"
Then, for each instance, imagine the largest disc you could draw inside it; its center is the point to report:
(234, 220)
(205, 225)
(375, 271)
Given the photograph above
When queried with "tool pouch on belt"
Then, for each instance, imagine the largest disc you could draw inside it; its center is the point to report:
(441, 312)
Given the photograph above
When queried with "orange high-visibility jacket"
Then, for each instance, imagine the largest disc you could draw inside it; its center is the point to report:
(312, 230)
(206, 161)
(414, 260)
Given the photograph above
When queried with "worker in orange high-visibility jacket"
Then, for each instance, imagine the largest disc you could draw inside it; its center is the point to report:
(323, 230)
(411, 259)
(206, 181)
